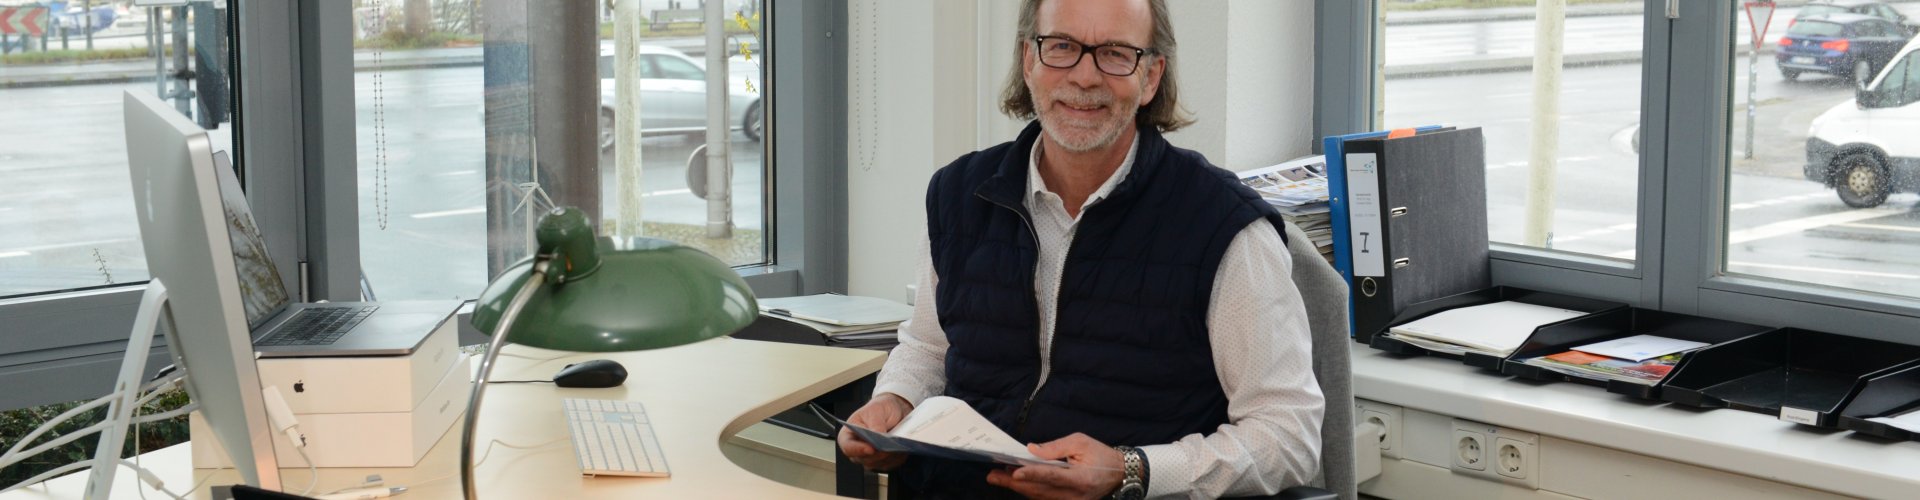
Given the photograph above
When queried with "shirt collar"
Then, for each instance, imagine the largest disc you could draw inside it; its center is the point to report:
(1036, 186)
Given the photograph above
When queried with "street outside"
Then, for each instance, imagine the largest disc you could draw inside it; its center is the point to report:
(66, 220)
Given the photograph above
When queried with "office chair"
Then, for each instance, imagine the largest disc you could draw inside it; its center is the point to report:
(1325, 297)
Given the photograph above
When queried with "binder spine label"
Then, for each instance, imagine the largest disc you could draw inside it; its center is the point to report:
(1368, 248)
(1799, 416)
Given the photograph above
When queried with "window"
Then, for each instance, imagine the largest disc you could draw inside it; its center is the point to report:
(66, 212)
(1474, 67)
(1800, 214)
(467, 129)
(1817, 191)
(1912, 83)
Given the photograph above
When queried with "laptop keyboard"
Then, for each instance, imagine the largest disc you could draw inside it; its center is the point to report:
(317, 326)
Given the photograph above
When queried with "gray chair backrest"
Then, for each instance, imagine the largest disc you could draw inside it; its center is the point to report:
(1325, 297)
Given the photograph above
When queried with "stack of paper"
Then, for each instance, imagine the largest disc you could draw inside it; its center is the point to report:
(1494, 329)
(1910, 421)
(1640, 359)
(845, 320)
(1298, 189)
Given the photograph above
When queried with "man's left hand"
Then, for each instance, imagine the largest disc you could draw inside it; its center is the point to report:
(1097, 470)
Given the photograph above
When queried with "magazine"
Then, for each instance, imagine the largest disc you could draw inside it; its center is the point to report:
(945, 427)
(1597, 367)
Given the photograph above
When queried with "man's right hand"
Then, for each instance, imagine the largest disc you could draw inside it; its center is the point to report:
(880, 415)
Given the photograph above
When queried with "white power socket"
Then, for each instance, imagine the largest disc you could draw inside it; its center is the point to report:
(1388, 417)
(1496, 454)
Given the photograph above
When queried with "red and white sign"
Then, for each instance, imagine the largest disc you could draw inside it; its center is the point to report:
(1759, 16)
(23, 21)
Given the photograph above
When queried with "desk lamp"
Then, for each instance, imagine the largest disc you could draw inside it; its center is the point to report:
(582, 293)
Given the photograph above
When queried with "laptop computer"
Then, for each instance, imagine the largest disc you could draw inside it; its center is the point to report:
(282, 328)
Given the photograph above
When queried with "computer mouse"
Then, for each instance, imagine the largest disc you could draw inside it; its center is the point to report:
(591, 374)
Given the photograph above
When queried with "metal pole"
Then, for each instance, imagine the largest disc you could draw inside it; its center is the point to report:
(180, 92)
(155, 45)
(1753, 57)
(535, 280)
(1549, 31)
(719, 126)
(88, 11)
(626, 114)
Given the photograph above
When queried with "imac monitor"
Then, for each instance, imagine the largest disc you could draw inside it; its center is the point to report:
(183, 229)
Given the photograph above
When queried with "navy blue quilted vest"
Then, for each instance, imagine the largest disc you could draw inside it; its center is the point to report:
(1131, 364)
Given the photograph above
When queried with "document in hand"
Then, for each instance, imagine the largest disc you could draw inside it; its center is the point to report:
(1497, 328)
(944, 427)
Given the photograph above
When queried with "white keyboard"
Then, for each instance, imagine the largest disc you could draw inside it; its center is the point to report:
(614, 438)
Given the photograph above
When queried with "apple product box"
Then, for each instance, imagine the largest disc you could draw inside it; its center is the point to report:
(365, 439)
(363, 384)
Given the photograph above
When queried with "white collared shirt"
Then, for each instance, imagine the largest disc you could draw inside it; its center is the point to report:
(1262, 353)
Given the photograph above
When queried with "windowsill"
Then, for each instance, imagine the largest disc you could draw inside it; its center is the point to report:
(1735, 441)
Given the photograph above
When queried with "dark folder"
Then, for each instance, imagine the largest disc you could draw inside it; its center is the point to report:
(1417, 219)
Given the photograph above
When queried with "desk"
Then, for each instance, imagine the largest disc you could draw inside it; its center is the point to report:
(698, 395)
(1736, 442)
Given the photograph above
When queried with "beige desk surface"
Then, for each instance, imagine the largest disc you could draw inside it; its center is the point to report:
(698, 396)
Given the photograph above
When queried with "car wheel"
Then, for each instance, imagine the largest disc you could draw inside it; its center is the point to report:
(752, 124)
(1789, 74)
(1862, 74)
(1861, 180)
(606, 129)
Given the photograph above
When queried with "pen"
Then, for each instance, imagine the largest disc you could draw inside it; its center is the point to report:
(364, 494)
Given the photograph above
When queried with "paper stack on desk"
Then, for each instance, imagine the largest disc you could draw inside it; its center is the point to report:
(847, 321)
(1494, 329)
(1298, 189)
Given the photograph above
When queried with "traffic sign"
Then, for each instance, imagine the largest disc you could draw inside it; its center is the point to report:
(23, 21)
(1759, 15)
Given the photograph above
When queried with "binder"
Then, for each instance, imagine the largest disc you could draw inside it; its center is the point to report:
(1416, 216)
(1333, 147)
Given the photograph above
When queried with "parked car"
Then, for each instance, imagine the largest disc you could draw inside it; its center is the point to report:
(1869, 148)
(1875, 9)
(1847, 45)
(673, 95)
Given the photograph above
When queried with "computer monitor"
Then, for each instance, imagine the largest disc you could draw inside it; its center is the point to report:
(177, 200)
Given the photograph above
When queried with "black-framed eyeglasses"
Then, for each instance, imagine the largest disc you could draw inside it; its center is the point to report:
(1115, 59)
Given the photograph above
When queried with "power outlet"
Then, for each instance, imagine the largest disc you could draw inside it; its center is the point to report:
(1388, 417)
(1469, 450)
(1496, 454)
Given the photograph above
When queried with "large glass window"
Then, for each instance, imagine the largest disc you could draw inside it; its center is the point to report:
(1574, 125)
(66, 207)
(1822, 174)
(454, 96)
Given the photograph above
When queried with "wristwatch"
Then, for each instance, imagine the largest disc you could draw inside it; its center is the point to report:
(1133, 486)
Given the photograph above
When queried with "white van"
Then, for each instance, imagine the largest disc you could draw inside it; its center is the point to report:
(1870, 147)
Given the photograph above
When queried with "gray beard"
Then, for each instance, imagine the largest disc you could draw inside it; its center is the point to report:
(1108, 132)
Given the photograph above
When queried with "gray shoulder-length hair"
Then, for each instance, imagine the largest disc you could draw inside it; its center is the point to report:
(1164, 113)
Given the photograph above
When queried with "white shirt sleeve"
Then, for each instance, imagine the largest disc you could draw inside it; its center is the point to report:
(1263, 353)
(916, 369)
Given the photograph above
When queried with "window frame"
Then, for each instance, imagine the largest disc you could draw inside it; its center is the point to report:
(295, 67)
(1686, 121)
(68, 346)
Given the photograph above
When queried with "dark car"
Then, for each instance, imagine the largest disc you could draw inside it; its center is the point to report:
(1847, 45)
(1874, 9)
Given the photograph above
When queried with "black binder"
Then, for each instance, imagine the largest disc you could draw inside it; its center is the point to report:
(1417, 209)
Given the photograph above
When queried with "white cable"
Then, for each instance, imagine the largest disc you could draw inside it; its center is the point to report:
(49, 474)
(48, 426)
(149, 478)
(313, 471)
(12, 458)
(489, 450)
(174, 413)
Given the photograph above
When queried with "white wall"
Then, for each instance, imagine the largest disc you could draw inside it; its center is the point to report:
(909, 116)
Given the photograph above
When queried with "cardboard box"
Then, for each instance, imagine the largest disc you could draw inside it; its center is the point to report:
(369, 439)
(363, 384)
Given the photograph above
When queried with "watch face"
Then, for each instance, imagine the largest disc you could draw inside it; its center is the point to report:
(1130, 491)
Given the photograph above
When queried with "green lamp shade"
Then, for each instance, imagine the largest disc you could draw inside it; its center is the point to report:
(635, 294)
